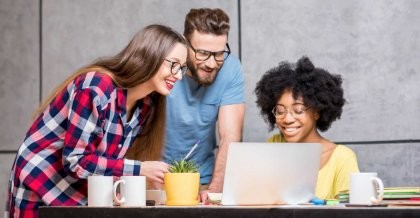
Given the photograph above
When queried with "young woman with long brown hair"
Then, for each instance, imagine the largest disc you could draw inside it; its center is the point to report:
(90, 121)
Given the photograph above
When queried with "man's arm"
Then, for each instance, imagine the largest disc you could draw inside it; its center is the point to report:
(230, 125)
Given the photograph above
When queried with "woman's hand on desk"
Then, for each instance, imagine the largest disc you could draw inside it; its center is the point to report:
(154, 170)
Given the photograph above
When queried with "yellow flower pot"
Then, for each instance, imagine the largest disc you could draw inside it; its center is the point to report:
(182, 188)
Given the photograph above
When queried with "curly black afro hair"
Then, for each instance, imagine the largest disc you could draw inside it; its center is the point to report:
(319, 90)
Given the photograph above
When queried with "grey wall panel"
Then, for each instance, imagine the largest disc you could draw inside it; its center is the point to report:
(396, 164)
(374, 45)
(19, 63)
(77, 32)
(6, 161)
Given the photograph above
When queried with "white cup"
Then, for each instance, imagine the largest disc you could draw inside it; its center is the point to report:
(100, 191)
(159, 196)
(132, 191)
(366, 188)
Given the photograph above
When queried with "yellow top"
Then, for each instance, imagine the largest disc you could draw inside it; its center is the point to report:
(335, 174)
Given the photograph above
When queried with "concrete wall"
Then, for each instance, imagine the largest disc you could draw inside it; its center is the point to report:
(375, 46)
(19, 78)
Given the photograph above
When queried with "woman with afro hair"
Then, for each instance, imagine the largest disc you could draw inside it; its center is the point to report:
(302, 100)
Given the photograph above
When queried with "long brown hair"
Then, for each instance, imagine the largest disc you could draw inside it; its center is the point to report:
(138, 62)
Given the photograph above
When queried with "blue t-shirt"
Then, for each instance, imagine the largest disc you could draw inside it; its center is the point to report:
(192, 111)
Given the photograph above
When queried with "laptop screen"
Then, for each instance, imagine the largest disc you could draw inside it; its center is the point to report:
(270, 173)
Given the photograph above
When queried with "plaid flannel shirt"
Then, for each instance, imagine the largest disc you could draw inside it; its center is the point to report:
(83, 132)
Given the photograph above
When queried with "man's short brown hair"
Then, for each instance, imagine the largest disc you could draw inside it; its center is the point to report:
(206, 20)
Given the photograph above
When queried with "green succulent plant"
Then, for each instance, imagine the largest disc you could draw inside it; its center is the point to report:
(183, 166)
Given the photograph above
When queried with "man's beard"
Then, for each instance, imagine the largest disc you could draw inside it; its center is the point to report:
(206, 81)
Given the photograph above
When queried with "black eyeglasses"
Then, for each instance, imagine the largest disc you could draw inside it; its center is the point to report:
(203, 55)
(177, 68)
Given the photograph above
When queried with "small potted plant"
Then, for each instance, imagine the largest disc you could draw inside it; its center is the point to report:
(182, 183)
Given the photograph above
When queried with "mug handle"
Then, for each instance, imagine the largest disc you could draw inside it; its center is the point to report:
(122, 200)
(380, 184)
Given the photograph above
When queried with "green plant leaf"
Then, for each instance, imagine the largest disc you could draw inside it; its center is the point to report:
(183, 166)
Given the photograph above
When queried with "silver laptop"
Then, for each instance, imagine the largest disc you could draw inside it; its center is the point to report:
(270, 173)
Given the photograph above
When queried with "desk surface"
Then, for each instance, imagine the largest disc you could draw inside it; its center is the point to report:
(230, 212)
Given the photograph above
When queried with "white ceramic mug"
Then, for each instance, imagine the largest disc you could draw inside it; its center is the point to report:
(159, 196)
(366, 188)
(132, 191)
(100, 191)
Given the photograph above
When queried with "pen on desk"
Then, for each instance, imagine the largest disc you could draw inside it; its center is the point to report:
(191, 150)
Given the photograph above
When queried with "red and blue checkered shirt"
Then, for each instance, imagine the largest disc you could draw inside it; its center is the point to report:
(83, 132)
